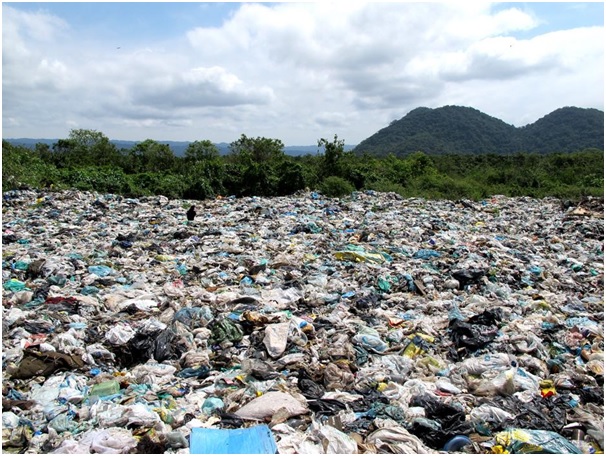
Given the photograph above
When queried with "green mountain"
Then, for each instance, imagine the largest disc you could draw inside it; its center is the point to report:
(463, 130)
(565, 130)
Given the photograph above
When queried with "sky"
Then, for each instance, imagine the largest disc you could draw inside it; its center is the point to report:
(291, 71)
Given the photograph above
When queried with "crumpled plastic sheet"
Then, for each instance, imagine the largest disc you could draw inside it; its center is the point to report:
(367, 324)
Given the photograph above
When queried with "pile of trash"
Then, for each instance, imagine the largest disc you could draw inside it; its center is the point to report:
(367, 324)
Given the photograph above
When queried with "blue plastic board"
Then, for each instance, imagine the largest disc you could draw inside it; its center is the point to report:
(253, 440)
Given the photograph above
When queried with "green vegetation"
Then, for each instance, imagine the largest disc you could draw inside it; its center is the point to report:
(86, 160)
(334, 186)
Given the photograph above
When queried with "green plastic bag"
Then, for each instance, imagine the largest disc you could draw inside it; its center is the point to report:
(226, 330)
(14, 285)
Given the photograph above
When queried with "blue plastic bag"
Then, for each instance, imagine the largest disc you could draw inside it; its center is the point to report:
(253, 440)
(100, 270)
(426, 254)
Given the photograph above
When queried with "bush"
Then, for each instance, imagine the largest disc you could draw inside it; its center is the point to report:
(386, 186)
(291, 178)
(334, 186)
(198, 188)
(169, 185)
(105, 179)
(22, 167)
(439, 186)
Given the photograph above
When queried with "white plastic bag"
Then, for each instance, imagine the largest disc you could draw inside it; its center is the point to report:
(269, 403)
(276, 338)
(336, 442)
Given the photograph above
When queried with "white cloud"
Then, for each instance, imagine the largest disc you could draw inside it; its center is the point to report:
(295, 71)
(332, 119)
(199, 87)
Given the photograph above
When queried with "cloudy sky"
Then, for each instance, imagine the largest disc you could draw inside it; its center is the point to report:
(290, 71)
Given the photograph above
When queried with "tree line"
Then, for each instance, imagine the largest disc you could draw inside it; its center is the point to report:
(87, 160)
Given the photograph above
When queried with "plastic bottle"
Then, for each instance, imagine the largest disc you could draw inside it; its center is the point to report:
(578, 440)
(456, 443)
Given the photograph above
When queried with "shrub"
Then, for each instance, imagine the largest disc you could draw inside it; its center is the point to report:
(334, 186)
(291, 178)
(386, 186)
(104, 179)
(150, 183)
(198, 188)
(22, 167)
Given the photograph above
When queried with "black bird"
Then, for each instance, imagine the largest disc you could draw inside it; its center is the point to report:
(191, 213)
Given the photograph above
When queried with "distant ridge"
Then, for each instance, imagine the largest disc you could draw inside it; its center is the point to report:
(464, 130)
(178, 147)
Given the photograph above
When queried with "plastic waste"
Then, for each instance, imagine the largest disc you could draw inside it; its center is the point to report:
(525, 441)
(416, 346)
(336, 442)
(370, 342)
(276, 338)
(100, 270)
(253, 440)
(401, 336)
(491, 414)
(360, 257)
(442, 421)
(457, 442)
(269, 403)
(14, 285)
(391, 437)
(476, 332)
(211, 405)
(226, 330)
(107, 388)
(426, 254)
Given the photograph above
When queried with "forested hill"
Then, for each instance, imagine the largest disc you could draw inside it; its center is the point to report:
(463, 130)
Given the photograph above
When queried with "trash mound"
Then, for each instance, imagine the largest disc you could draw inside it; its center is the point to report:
(367, 324)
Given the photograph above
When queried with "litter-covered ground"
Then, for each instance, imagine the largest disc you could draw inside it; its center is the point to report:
(368, 324)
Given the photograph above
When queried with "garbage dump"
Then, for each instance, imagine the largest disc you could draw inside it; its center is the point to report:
(366, 324)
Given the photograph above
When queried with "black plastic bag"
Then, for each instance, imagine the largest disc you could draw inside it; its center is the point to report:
(326, 407)
(451, 421)
(475, 333)
(468, 276)
(309, 388)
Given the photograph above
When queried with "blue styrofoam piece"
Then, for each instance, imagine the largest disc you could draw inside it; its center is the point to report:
(252, 440)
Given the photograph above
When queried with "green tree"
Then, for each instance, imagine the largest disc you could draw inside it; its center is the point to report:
(43, 151)
(65, 153)
(420, 163)
(82, 148)
(333, 153)
(94, 148)
(255, 163)
(291, 177)
(258, 150)
(201, 151)
(151, 156)
(203, 169)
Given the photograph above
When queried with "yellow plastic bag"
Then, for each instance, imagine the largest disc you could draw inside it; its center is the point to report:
(525, 441)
